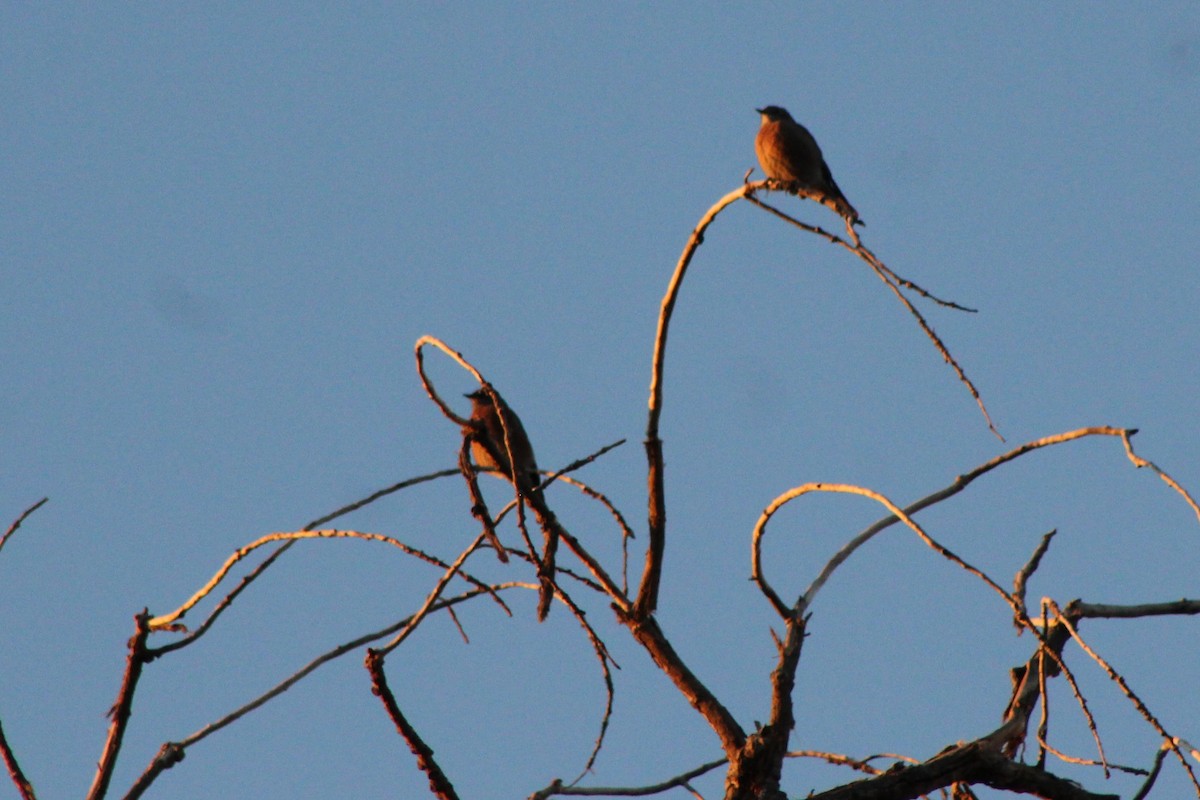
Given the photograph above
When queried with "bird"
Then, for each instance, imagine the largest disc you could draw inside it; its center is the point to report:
(788, 152)
(488, 446)
(491, 419)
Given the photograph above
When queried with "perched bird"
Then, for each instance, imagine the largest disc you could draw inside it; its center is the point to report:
(788, 152)
(488, 446)
(491, 450)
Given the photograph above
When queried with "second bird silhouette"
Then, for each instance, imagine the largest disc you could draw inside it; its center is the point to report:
(491, 451)
(788, 152)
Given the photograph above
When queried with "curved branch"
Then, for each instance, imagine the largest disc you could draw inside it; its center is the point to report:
(23, 516)
(428, 385)
(172, 753)
(250, 577)
(802, 604)
(647, 599)
(166, 620)
(959, 483)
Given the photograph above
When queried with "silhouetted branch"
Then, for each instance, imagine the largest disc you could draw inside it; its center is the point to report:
(558, 788)
(16, 523)
(977, 762)
(418, 351)
(14, 769)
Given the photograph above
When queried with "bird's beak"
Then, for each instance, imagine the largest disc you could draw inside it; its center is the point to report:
(759, 110)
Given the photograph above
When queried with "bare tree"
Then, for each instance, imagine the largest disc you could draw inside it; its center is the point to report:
(1013, 757)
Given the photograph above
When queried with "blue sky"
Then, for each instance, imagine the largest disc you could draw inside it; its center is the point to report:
(224, 227)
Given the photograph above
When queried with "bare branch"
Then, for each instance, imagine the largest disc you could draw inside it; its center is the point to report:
(1107, 611)
(960, 483)
(1116, 677)
(439, 784)
(1023, 575)
(558, 788)
(647, 599)
(479, 508)
(418, 350)
(1140, 462)
(172, 753)
(1152, 776)
(250, 577)
(973, 763)
(371, 498)
(895, 283)
(648, 634)
(805, 600)
(123, 707)
(24, 787)
(626, 531)
(604, 658)
(24, 516)
(431, 599)
(166, 620)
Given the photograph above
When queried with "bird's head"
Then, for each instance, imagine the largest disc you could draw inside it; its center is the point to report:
(479, 397)
(774, 114)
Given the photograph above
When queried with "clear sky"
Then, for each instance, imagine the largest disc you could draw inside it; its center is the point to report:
(224, 227)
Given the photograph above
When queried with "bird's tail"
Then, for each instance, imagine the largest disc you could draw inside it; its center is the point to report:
(848, 212)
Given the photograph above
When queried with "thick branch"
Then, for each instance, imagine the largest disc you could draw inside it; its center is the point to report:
(651, 637)
(757, 771)
(439, 784)
(976, 762)
(123, 707)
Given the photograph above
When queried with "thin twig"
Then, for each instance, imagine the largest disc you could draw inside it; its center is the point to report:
(604, 658)
(1152, 775)
(479, 508)
(1023, 574)
(895, 283)
(1140, 462)
(418, 350)
(626, 531)
(679, 781)
(17, 522)
(431, 599)
(1090, 762)
(166, 620)
(1117, 678)
(371, 498)
(176, 749)
(957, 485)
(250, 577)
